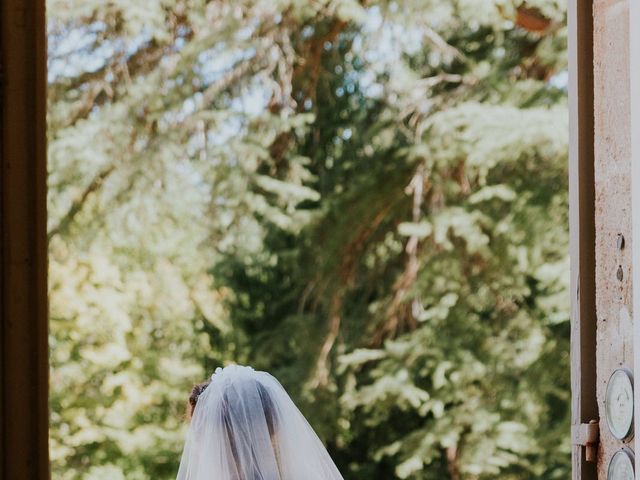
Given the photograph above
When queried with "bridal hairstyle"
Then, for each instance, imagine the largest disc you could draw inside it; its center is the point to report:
(244, 426)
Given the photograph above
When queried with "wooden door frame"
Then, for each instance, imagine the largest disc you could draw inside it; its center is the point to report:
(23, 246)
(24, 418)
(584, 405)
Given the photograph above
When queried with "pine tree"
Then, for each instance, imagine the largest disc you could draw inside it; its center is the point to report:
(434, 270)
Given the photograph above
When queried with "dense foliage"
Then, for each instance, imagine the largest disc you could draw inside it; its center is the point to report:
(366, 198)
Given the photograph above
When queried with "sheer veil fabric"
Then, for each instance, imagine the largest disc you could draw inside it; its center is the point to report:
(246, 427)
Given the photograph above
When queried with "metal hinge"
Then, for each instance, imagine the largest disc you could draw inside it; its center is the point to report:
(587, 436)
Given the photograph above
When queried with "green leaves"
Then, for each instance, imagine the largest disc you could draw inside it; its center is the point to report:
(367, 200)
(420, 230)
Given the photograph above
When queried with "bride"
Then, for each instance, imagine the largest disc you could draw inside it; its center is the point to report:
(244, 426)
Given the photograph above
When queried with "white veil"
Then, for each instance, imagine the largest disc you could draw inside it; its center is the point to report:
(245, 427)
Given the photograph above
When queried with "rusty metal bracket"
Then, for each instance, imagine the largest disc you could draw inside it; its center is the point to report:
(587, 435)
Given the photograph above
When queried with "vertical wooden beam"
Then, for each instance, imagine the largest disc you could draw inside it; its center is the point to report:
(634, 96)
(582, 226)
(23, 246)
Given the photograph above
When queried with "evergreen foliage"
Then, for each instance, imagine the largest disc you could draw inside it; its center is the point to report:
(368, 199)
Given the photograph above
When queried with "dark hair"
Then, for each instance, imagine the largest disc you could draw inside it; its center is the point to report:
(265, 399)
(193, 398)
(267, 407)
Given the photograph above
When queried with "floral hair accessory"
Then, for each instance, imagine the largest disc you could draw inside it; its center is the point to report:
(218, 370)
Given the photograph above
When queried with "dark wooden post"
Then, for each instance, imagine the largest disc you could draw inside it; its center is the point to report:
(23, 246)
(582, 227)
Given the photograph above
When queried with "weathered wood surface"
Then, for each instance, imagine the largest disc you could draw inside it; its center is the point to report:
(612, 173)
(634, 64)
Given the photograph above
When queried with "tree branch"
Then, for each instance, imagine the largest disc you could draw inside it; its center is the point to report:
(95, 184)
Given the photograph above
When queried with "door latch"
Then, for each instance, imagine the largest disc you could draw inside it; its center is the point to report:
(587, 436)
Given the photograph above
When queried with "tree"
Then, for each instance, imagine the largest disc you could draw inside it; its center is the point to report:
(368, 199)
(435, 268)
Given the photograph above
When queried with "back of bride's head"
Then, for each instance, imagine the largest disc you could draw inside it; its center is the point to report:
(244, 426)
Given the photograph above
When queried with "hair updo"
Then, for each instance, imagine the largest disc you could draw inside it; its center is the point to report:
(193, 397)
(230, 401)
(265, 400)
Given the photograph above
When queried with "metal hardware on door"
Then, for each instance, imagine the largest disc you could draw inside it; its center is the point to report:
(619, 404)
(587, 435)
